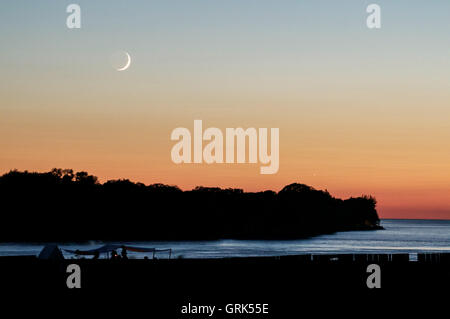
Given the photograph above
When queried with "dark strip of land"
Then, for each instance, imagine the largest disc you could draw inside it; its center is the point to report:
(61, 205)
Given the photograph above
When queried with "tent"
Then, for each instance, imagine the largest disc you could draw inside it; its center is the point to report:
(51, 252)
(92, 252)
(113, 247)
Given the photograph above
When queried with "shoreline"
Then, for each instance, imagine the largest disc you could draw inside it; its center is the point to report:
(425, 257)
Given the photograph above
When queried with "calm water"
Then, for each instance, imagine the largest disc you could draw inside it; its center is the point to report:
(400, 236)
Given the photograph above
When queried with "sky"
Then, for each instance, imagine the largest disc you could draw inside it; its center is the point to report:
(360, 111)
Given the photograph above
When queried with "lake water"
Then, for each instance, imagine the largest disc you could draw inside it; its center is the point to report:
(400, 236)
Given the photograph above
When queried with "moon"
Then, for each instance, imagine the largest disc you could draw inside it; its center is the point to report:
(121, 60)
(127, 65)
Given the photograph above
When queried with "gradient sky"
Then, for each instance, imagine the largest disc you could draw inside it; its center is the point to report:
(360, 111)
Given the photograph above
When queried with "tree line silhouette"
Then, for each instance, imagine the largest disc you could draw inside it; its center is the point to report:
(62, 205)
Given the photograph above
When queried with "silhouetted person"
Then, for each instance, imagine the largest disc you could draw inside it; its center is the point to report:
(123, 253)
(114, 255)
(96, 255)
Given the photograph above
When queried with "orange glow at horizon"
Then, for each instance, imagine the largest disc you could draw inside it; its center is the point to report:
(406, 183)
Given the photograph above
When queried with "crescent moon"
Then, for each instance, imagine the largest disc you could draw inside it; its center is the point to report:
(127, 65)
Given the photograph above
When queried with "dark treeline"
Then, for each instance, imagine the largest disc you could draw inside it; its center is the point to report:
(65, 206)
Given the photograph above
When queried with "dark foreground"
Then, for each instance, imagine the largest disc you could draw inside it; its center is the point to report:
(291, 285)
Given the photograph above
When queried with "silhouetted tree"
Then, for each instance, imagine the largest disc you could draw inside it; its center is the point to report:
(64, 205)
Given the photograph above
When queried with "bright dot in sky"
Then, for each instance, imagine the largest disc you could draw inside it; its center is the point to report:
(120, 60)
